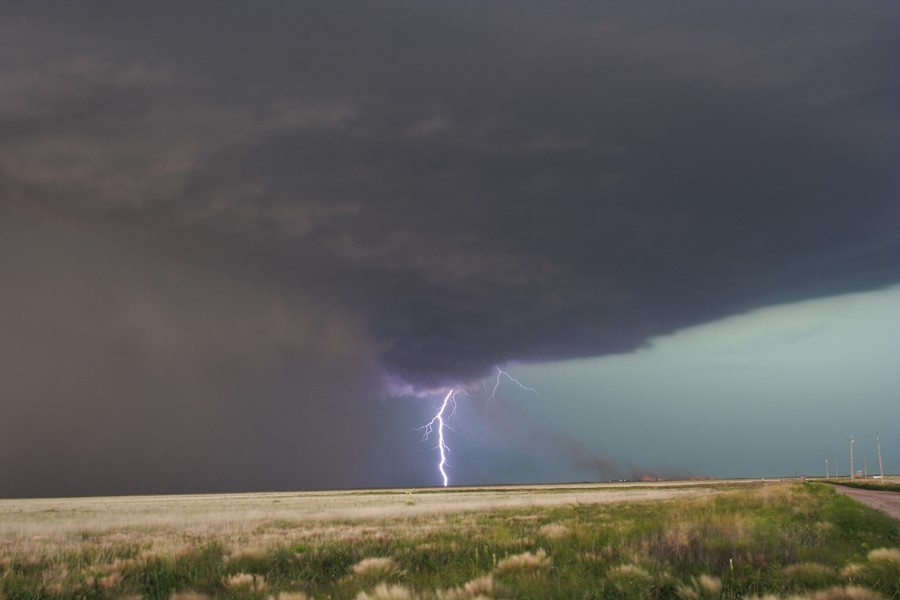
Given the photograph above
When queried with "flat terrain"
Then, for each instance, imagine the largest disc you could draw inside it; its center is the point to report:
(166, 524)
(689, 540)
(219, 513)
(887, 502)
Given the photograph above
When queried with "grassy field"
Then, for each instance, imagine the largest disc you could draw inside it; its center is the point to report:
(887, 485)
(689, 541)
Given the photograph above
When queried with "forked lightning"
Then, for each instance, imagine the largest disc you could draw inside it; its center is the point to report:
(501, 372)
(429, 427)
(438, 422)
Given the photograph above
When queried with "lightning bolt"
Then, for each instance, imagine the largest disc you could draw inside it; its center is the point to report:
(501, 373)
(449, 400)
(441, 417)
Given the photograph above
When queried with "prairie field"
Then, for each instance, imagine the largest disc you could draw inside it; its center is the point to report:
(688, 540)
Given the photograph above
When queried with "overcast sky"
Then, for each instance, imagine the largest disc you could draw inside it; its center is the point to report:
(250, 246)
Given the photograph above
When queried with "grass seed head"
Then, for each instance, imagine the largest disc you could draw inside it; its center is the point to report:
(633, 571)
(384, 591)
(686, 592)
(290, 596)
(850, 592)
(628, 578)
(246, 580)
(705, 586)
(710, 585)
(526, 562)
(554, 531)
(110, 581)
(482, 587)
(381, 566)
(853, 570)
(885, 555)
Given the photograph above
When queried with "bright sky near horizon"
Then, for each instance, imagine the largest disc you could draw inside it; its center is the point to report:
(771, 393)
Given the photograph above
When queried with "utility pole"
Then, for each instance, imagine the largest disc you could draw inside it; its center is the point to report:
(880, 464)
(851, 457)
(865, 469)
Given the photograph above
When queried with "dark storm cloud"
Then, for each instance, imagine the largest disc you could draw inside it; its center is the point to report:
(447, 186)
(123, 374)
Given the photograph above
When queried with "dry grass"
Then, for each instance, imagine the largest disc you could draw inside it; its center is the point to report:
(384, 591)
(482, 587)
(290, 596)
(628, 571)
(376, 567)
(248, 581)
(704, 586)
(202, 513)
(885, 555)
(527, 562)
(126, 533)
(169, 524)
(850, 592)
(629, 579)
(554, 531)
(853, 570)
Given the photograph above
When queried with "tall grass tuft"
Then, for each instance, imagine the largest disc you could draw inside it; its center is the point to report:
(482, 587)
(384, 591)
(526, 562)
(850, 592)
(554, 531)
(885, 556)
(629, 580)
(376, 567)
(883, 571)
(248, 581)
(704, 586)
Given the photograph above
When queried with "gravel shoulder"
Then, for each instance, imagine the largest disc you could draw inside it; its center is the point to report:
(888, 502)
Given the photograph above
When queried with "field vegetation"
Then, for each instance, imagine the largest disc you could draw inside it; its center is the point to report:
(759, 540)
(870, 484)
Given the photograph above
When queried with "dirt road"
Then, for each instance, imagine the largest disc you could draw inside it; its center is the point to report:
(888, 502)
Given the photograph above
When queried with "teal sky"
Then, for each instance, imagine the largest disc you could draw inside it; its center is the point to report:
(772, 392)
